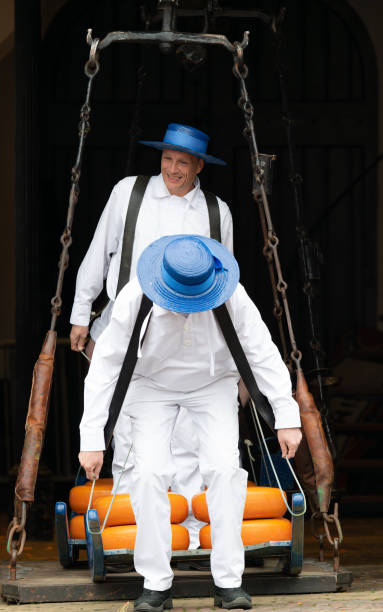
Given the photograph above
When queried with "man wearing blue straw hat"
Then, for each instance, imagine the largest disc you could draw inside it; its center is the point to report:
(171, 203)
(185, 361)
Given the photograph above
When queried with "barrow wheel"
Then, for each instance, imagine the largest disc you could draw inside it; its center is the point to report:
(94, 546)
(295, 558)
(66, 550)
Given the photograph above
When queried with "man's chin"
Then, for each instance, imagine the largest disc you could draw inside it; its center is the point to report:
(173, 186)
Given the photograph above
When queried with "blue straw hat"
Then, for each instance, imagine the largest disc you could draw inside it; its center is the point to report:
(187, 273)
(185, 138)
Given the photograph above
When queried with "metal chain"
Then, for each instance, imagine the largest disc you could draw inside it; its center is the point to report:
(277, 310)
(270, 252)
(305, 244)
(16, 536)
(240, 71)
(336, 540)
(91, 68)
(305, 247)
(307, 250)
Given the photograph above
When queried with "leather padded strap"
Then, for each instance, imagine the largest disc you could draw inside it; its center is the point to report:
(228, 330)
(214, 215)
(127, 370)
(134, 206)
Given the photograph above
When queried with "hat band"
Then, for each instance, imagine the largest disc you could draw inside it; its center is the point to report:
(187, 289)
(187, 141)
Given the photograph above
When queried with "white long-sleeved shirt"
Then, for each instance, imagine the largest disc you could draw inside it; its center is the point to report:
(182, 354)
(161, 214)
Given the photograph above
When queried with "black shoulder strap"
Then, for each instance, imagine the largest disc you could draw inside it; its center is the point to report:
(228, 330)
(126, 372)
(214, 215)
(134, 206)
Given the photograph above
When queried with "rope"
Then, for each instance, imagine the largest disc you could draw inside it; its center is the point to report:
(275, 473)
(112, 500)
(249, 443)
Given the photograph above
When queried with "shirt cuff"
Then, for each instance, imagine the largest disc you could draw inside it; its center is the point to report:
(92, 439)
(287, 417)
(80, 314)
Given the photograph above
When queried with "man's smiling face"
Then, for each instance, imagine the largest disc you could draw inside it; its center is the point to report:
(179, 170)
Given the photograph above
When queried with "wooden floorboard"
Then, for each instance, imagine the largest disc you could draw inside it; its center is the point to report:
(47, 581)
(361, 554)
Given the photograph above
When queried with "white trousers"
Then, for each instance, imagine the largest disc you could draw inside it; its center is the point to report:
(187, 479)
(153, 411)
(184, 446)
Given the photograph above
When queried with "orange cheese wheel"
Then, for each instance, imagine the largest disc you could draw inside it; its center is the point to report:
(79, 496)
(261, 502)
(124, 536)
(100, 482)
(77, 528)
(255, 532)
(121, 512)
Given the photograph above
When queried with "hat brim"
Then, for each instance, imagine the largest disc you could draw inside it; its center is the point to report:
(149, 273)
(209, 159)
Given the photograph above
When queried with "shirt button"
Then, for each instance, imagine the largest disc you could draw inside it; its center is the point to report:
(187, 342)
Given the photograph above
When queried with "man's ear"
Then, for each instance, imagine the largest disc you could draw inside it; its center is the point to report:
(200, 165)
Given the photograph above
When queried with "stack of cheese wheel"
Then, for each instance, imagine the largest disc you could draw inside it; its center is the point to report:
(79, 500)
(120, 531)
(262, 517)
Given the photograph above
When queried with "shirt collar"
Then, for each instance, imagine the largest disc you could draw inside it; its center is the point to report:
(158, 311)
(161, 191)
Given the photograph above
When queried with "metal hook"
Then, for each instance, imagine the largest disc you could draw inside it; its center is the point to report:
(245, 40)
(92, 66)
(296, 356)
(89, 38)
